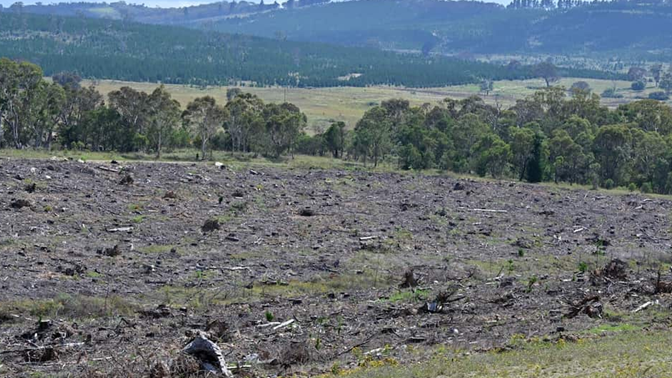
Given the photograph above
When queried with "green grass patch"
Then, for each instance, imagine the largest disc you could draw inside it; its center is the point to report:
(92, 274)
(626, 354)
(409, 296)
(156, 248)
(68, 306)
(138, 219)
(320, 285)
(602, 328)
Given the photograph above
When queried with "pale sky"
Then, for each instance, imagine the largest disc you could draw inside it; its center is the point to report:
(168, 3)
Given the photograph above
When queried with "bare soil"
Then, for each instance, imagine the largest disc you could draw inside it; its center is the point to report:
(111, 269)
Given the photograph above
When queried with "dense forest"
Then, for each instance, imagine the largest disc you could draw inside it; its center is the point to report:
(555, 134)
(106, 49)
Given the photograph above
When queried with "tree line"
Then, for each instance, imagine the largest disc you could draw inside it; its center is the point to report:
(552, 135)
(41, 114)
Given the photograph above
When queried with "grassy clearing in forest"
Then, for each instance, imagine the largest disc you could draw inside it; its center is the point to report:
(348, 104)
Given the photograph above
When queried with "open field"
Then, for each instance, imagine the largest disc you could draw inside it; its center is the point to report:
(324, 105)
(108, 270)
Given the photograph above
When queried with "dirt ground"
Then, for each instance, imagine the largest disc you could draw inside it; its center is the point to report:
(111, 269)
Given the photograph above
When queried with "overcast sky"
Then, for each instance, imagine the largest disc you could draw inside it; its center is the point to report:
(166, 3)
(149, 3)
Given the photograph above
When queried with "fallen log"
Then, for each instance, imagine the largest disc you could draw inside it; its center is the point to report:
(209, 353)
(644, 306)
(490, 211)
(284, 324)
(120, 229)
(106, 169)
(237, 268)
(365, 238)
(586, 306)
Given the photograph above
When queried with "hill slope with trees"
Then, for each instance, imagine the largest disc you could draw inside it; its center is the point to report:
(632, 29)
(626, 29)
(108, 49)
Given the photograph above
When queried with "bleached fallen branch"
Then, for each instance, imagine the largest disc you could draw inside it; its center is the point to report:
(106, 169)
(284, 324)
(490, 211)
(25, 350)
(266, 325)
(120, 229)
(644, 306)
(237, 268)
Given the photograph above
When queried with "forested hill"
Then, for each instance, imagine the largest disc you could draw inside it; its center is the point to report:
(134, 12)
(624, 29)
(107, 49)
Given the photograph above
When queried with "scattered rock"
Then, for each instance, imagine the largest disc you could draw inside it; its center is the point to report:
(161, 311)
(598, 240)
(232, 238)
(160, 370)
(295, 353)
(616, 269)
(219, 329)
(523, 243)
(20, 204)
(458, 186)
(306, 212)
(590, 306)
(110, 252)
(126, 180)
(41, 355)
(72, 271)
(211, 225)
(410, 280)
